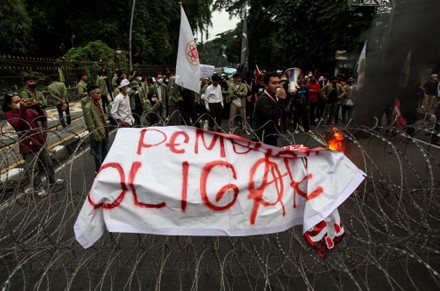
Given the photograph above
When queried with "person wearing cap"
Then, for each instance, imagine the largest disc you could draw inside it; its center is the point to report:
(238, 92)
(96, 125)
(121, 110)
(214, 103)
(82, 89)
(58, 91)
(31, 93)
(32, 143)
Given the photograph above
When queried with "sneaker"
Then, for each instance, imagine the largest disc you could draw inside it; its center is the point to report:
(247, 132)
(296, 131)
(57, 182)
(41, 193)
(29, 191)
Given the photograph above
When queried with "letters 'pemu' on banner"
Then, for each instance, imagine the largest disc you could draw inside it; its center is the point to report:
(182, 180)
(188, 65)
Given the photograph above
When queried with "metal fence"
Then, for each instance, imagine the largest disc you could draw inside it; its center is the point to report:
(14, 68)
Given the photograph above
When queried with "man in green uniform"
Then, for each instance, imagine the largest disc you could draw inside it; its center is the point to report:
(58, 91)
(95, 122)
(30, 93)
(82, 89)
(102, 83)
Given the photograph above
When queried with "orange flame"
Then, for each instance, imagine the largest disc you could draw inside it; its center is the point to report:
(336, 141)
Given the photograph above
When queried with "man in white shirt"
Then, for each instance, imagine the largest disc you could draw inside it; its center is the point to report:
(214, 103)
(121, 110)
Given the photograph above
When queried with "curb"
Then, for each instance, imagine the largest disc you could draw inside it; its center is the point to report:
(59, 153)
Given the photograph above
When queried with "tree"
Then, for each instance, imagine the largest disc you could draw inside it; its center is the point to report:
(297, 32)
(15, 32)
(61, 25)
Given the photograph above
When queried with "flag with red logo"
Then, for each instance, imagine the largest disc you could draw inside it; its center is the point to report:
(188, 65)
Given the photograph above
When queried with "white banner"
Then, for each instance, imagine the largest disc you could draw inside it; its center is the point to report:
(182, 180)
(188, 66)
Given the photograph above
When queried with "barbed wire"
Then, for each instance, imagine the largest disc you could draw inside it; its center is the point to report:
(392, 224)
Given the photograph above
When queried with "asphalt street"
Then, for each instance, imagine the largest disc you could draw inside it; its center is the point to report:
(392, 227)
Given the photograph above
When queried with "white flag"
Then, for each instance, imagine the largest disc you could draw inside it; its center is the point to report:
(188, 66)
(361, 68)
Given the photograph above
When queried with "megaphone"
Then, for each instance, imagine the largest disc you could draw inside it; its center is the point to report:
(293, 75)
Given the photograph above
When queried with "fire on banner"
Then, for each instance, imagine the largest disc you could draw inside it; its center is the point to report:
(180, 180)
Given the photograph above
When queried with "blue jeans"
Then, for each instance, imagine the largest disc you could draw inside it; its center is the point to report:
(61, 115)
(99, 151)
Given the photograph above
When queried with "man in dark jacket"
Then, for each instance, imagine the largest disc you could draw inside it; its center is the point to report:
(269, 109)
(32, 143)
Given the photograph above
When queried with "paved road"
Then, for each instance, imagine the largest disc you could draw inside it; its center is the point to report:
(392, 224)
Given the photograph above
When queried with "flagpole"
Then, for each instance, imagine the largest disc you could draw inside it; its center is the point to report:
(130, 36)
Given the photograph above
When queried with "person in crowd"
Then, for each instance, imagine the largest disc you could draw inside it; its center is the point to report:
(102, 81)
(435, 137)
(152, 109)
(188, 107)
(301, 105)
(119, 74)
(314, 95)
(348, 100)
(431, 92)
(58, 92)
(82, 89)
(144, 88)
(250, 97)
(136, 102)
(94, 117)
(161, 90)
(332, 93)
(214, 105)
(30, 93)
(322, 81)
(224, 84)
(32, 143)
(175, 100)
(237, 91)
(269, 109)
(289, 109)
(121, 111)
(411, 99)
(200, 103)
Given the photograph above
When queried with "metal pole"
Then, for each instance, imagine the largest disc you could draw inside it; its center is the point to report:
(130, 36)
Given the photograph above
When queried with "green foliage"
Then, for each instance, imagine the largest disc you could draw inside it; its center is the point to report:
(94, 56)
(61, 25)
(298, 32)
(15, 29)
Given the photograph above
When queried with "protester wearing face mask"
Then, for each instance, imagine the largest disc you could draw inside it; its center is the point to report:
(32, 143)
(30, 93)
(121, 110)
(161, 90)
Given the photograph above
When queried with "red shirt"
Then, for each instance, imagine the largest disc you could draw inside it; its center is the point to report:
(25, 123)
(314, 91)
